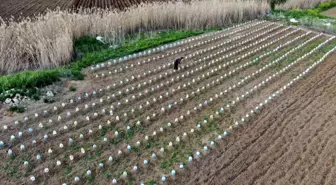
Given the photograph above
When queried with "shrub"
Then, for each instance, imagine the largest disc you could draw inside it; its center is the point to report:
(19, 109)
(72, 88)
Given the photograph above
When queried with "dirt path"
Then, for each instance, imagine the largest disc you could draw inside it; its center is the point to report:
(331, 12)
(290, 143)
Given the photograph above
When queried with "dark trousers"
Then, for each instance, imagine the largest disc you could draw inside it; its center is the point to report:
(176, 63)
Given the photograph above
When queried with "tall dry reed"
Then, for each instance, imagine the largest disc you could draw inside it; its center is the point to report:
(300, 4)
(47, 40)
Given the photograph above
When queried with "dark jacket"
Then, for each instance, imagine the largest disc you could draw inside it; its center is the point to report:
(177, 62)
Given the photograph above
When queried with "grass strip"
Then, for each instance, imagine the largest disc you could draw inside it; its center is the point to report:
(315, 12)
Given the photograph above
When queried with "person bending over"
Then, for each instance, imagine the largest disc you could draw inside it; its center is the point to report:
(177, 62)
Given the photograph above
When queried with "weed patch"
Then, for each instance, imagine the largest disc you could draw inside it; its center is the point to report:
(18, 109)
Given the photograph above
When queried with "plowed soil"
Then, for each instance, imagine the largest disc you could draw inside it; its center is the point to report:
(331, 12)
(97, 139)
(29, 8)
(293, 142)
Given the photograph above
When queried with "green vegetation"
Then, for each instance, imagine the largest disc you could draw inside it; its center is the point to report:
(107, 174)
(164, 164)
(30, 92)
(98, 153)
(26, 83)
(325, 6)
(13, 173)
(151, 182)
(48, 100)
(103, 131)
(292, 57)
(148, 145)
(93, 56)
(75, 147)
(315, 12)
(88, 45)
(311, 18)
(72, 88)
(213, 126)
(29, 79)
(19, 109)
(136, 150)
(92, 52)
(68, 170)
(320, 52)
(276, 2)
(91, 178)
(89, 51)
(174, 158)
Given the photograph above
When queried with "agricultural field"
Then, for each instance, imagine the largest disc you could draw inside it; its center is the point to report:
(331, 12)
(27, 8)
(250, 104)
(118, 4)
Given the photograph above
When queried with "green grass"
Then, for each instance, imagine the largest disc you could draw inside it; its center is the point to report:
(325, 6)
(136, 150)
(72, 88)
(91, 179)
(320, 52)
(89, 44)
(13, 173)
(68, 170)
(107, 174)
(27, 82)
(213, 127)
(103, 131)
(93, 52)
(29, 79)
(292, 57)
(311, 18)
(174, 157)
(151, 182)
(75, 148)
(19, 109)
(48, 100)
(147, 145)
(315, 12)
(98, 153)
(129, 47)
(164, 164)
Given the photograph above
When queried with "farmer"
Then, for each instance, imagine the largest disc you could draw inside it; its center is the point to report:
(177, 62)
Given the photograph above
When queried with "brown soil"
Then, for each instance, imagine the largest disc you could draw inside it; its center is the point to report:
(29, 8)
(237, 159)
(331, 12)
(292, 142)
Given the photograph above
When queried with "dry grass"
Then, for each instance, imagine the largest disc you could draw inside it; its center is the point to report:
(47, 40)
(300, 4)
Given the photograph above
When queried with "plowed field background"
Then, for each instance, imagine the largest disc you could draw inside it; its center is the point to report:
(293, 142)
(26, 8)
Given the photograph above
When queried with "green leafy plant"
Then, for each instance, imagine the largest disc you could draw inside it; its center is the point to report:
(275, 2)
(47, 100)
(72, 88)
(315, 12)
(19, 109)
